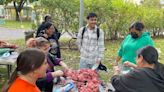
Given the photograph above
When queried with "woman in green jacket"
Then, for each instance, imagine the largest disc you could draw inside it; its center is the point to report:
(132, 42)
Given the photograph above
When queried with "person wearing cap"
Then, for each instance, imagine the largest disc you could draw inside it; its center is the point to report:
(132, 42)
(46, 84)
(90, 41)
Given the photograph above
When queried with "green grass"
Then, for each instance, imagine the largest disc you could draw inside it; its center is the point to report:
(17, 24)
(71, 57)
(3, 77)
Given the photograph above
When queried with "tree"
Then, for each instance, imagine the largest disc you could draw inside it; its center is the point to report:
(151, 3)
(114, 16)
(64, 12)
(18, 5)
(2, 2)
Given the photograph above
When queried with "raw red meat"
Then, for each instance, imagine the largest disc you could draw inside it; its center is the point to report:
(87, 80)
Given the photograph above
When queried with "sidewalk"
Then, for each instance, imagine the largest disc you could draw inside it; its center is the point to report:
(11, 34)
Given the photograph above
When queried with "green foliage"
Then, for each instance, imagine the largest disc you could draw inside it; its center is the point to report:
(2, 2)
(64, 13)
(151, 3)
(115, 16)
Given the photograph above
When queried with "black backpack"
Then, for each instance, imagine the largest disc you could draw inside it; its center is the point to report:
(84, 29)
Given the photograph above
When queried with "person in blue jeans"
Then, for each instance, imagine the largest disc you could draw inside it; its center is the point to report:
(90, 41)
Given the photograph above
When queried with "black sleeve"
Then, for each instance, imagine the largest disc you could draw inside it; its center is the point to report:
(40, 34)
(40, 28)
(57, 33)
(126, 82)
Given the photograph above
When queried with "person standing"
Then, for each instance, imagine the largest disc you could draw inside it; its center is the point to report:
(42, 27)
(47, 18)
(48, 33)
(132, 42)
(90, 41)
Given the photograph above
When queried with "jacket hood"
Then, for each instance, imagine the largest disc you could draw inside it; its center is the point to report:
(145, 34)
(157, 76)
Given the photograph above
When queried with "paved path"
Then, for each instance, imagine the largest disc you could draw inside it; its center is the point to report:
(11, 34)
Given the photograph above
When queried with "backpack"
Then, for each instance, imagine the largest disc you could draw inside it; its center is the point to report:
(84, 29)
(98, 32)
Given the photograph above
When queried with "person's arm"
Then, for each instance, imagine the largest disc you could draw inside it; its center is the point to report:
(79, 38)
(51, 75)
(101, 46)
(63, 65)
(119, 53)
(126, 81)
(57, 73)
(150, 42)
(117, 70)
(42, 34)
(57, 33)
(129, 64)
(118, 58)
(58, 61)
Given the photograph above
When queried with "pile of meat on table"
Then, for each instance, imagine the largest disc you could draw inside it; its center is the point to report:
(86, 80)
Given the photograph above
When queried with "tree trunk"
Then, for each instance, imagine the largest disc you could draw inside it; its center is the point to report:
(18, 9)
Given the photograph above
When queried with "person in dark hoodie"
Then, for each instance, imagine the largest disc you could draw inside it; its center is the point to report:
(42, 27)
(48, 33)
(132, 42)
(147, 76)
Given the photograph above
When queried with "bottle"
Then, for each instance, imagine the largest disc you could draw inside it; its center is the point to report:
(66, 88)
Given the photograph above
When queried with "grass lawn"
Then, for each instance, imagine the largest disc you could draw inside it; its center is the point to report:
(17, 24)
(71, 57)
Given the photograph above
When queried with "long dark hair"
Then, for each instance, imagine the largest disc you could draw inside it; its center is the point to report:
(149, 53)
(150, 56)
(27, 61)
(47, 25)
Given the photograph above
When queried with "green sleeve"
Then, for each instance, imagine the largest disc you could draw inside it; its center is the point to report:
(150, 42)
(120, 51)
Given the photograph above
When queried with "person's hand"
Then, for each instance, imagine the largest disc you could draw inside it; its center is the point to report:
(57, 73)
(129, 64)
(64, 65)
(115, 63)
(116, 69)
(45, 35)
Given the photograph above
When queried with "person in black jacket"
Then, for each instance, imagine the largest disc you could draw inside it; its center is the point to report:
(48, 33)
(147, 76)
(47, 18)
